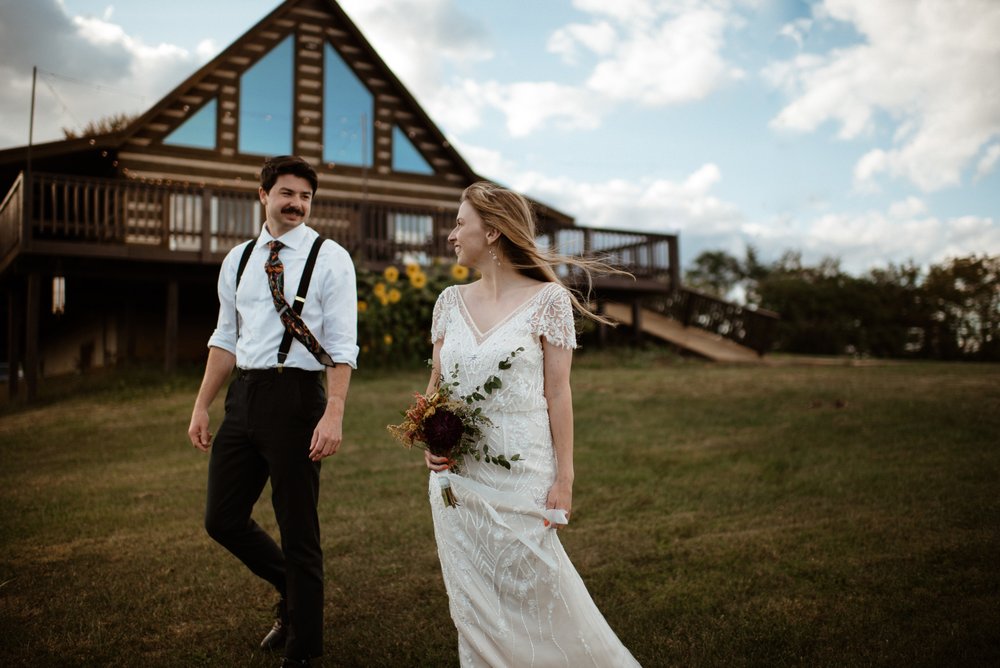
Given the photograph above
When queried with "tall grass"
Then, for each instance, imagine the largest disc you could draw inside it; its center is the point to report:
(774, 516)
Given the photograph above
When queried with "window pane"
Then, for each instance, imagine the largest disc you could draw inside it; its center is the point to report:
(348, 112)
(405, 157)
(197, 131)
(266, 91)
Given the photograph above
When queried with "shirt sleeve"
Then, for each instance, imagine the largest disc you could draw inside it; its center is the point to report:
(554, 320)
(440, 318)
(340, 306)
(225, 333)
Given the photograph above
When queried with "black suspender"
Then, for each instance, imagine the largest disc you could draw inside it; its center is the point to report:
(300, 296)
(243, 262)
(239, 274)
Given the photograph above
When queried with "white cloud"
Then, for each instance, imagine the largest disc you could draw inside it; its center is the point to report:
(652, 205)
(418, 39)
(597, 37)
(89, 68)
(989, 160)
(796, 30)
(875, 238)
(932, 68)
(658, 56)
(907, 208)
(529, 105)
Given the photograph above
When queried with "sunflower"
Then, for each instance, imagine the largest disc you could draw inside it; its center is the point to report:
(379, 289)
(412, 268)
(459, 273)
(387, 339)
(394, 296)
(362, 306)
(391, 274)
(418, 279)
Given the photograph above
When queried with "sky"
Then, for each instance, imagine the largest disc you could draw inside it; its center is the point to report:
(864, 131)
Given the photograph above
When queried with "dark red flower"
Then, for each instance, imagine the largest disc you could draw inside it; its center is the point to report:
(443, 432)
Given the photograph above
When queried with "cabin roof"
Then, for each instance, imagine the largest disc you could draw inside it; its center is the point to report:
(312, 24)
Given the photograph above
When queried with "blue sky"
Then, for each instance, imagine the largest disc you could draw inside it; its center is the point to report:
(866, 131)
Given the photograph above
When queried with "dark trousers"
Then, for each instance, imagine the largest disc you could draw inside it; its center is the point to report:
(266, 432)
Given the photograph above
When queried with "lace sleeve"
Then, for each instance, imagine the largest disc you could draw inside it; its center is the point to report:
(554, 318)
(440, 319)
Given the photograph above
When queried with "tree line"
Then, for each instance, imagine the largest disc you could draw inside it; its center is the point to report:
(947, 311)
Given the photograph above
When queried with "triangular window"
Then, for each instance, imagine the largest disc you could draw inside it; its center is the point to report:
(348, 113)
(405, 156)
(198, 131)
(266, 94)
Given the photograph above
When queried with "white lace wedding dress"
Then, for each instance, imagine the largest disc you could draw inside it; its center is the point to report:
(515, 597)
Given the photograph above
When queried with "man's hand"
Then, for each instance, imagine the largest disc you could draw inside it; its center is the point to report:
(328, 435)
(198, 432)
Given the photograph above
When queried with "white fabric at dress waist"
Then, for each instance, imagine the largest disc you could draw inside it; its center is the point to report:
(498, 502)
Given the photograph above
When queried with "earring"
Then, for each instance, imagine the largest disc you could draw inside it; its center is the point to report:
(493, 254)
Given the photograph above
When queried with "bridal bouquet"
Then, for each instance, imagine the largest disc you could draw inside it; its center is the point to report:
(449, 426)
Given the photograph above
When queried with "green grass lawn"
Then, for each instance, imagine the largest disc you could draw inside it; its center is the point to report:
(724, 516)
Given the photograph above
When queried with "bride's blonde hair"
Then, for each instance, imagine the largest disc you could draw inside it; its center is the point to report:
(510, 214)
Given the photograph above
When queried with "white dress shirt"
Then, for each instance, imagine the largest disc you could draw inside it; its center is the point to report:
(330, 310)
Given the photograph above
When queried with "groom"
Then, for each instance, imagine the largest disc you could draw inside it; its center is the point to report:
(288, 326)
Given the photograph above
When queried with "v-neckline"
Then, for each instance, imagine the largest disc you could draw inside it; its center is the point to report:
(480, 335)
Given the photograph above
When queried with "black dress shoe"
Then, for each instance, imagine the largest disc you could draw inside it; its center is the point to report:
(276, 637)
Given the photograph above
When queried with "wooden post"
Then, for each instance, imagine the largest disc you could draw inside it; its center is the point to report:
(206, 224)
(170, 332)
(15, 316)
(675, 264)
(602, 329)
(32, 305)
(637, 320)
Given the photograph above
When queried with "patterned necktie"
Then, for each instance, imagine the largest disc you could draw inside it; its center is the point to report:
(289, 318)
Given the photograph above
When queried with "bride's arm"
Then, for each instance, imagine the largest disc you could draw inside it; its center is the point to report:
(559, 397)
(435, 463)
(435, 367)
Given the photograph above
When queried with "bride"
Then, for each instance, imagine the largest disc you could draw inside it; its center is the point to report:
(513, 593)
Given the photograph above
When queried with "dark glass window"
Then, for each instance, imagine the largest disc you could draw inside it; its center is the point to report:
(348, 111)
(198, 130)
(405, 156)
(266, 96)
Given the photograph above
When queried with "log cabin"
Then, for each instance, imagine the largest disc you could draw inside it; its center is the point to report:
(110, 244)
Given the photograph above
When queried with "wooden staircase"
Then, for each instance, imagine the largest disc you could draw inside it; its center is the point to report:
(703, 343)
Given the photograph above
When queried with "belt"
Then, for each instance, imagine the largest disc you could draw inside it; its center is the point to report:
(273, 372)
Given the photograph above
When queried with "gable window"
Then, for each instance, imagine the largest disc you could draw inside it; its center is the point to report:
(266, 96)
(405, 156)
(348, 113)
(198, 131)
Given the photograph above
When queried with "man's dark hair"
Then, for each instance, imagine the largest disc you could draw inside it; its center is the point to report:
(287, 164)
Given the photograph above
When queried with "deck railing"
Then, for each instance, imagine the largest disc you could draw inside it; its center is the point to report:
(644, 255)
(750, 327)
(12, 217)
(109, 216)
(210, 221)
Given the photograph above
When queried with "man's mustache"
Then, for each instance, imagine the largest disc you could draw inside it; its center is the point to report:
(293, 209)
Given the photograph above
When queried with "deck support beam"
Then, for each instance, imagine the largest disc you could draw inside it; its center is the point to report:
(170, 330)
(33, 298)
